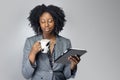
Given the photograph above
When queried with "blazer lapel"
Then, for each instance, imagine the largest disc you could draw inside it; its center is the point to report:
(58, 47)
(58, 50)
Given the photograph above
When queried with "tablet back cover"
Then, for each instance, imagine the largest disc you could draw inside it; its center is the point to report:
(70, 52)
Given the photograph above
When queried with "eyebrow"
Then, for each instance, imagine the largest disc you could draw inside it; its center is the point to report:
(44, 18)
(48, 19)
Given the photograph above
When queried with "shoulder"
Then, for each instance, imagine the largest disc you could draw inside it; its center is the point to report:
(35, 37)
(63, 38)
(65, 42)
(32, 37)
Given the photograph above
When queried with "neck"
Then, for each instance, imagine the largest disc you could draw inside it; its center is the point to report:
(48, 36)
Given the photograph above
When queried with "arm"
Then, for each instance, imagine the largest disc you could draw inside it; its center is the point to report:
(27, 68)
(68, 72)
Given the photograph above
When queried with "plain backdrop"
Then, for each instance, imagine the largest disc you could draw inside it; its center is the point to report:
(93, 25)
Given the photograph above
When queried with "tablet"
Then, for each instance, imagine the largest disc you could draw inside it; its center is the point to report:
(70, 52)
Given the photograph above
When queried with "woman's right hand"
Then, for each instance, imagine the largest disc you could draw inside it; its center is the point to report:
(36, 47)
(34, 50)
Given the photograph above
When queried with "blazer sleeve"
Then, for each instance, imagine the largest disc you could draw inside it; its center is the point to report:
(27, 68)
(67, 71)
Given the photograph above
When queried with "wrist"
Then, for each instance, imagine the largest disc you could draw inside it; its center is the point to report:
(32, 56)
(73, 67)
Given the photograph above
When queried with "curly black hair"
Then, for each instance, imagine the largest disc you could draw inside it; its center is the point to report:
(56, 12)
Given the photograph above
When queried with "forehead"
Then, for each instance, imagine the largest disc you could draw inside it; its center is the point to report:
(46, 15)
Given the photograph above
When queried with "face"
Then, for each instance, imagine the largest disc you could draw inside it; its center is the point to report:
(46, 22)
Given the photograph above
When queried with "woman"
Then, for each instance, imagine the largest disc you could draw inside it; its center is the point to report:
(47, 22)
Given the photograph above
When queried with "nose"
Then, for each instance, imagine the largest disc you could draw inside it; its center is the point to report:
(46, 24)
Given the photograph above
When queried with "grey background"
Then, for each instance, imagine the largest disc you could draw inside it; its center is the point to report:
(93, 25)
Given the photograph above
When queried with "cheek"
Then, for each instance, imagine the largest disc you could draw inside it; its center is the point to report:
(42, 25)
(52, 25)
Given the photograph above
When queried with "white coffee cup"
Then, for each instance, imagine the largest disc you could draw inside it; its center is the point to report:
(45, 44)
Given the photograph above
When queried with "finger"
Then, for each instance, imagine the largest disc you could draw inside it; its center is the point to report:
(39, 49)
(73, 60)
(78, 58)
(39, 42)
(69, 57)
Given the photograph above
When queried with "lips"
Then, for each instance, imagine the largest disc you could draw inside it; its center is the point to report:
(47, 29)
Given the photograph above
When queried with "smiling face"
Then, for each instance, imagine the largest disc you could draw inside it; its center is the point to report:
(47, 23)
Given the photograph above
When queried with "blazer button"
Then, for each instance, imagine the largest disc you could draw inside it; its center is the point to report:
(41, 77)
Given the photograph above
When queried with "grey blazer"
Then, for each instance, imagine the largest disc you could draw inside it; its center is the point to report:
(42, 70)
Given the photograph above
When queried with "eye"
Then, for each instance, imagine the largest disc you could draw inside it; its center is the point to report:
(50, 20)
(42, 21)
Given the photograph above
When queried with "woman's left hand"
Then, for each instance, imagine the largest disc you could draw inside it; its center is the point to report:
(74, 61)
